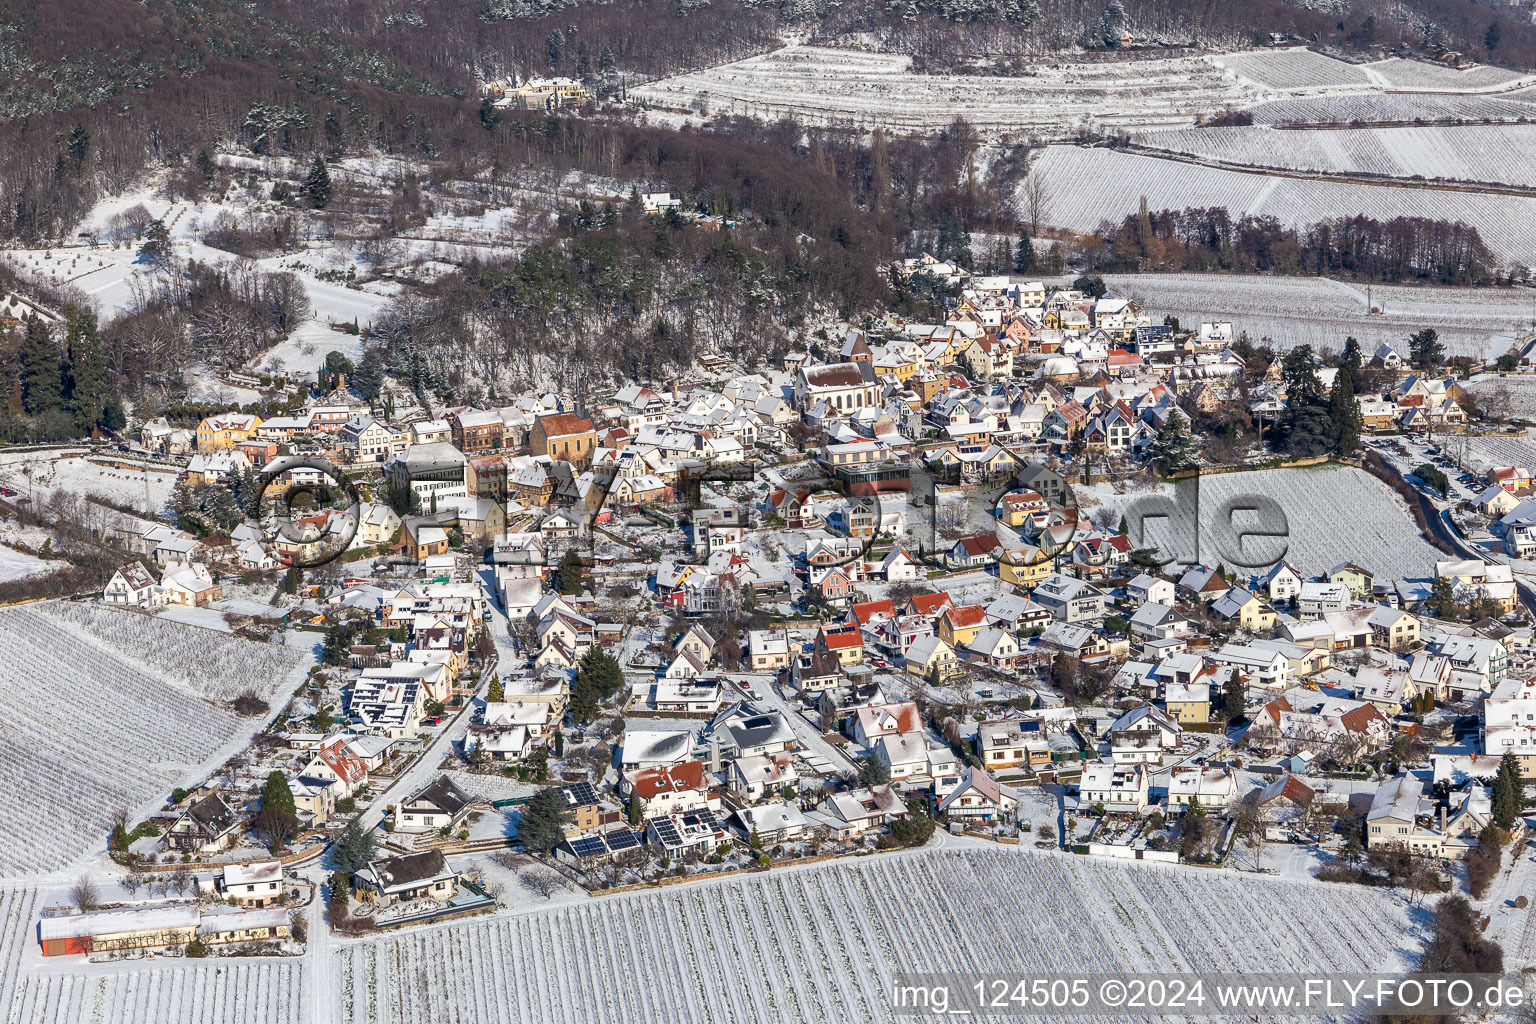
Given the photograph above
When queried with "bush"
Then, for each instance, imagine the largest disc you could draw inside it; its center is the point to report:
(1482, 865)
(196, 949)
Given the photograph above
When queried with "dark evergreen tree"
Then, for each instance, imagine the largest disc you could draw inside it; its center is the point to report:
(87, 369)
(353, 849)
(1508, 791)
(1345, 412)
(1174, 449)
(1024, 256)
(275, 794)
(316, 189)
(80, 141)
(1425, 350)
(156, 248)
(42, 385)
(541, 826)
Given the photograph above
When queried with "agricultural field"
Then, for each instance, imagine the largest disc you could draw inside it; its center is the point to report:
(735, 952)
(1294, 70)
(1087, 187)
(1382, 535)
(1482, 453)
(863, 90)
(1291, 311)
(1521, 391)
(1391, 108)
(1498, 154)
(111, 709)
(1421, 75)
(253, 991)
(18, 565)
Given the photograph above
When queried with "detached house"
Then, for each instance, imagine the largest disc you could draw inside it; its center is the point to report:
(1143, 735)
(979, 797)
(441, 805)
(205, 827)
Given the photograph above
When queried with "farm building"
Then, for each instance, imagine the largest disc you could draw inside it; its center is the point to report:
(151, 927)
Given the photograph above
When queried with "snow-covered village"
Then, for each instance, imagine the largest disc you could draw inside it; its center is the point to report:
(941, 593)
(752, 513)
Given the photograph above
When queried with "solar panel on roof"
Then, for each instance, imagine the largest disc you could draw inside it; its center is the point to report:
(588, 846)
(622, 839)
(666, 832)
(581, 793)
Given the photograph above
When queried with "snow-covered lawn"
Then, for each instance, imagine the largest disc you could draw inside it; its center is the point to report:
(1291, 311)
(790, 945)
(109, 709)
(36, 475)
(18, 565)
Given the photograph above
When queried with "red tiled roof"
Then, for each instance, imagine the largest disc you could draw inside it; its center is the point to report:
(560, 424)
(929, 604)
(966, 617)
(869, 610)
(651, 782)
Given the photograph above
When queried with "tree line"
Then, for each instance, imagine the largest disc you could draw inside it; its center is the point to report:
(1361, 247)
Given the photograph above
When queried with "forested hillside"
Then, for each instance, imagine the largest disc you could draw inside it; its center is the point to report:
(155, 81)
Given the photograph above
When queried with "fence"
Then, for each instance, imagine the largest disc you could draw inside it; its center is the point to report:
(1130, 853)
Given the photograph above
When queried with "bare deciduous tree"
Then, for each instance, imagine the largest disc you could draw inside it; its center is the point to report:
(540, 882)
(84, 893)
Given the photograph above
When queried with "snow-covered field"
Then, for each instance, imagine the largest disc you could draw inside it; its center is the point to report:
(37, 475)
(1292, 311)
(817, 85)
(1500, 154)
(823, 943)
(253, 991)
(1087, 187)
(1522, 398)
(1390, 108)
(1485, 452)
(113, 278)
(1332, 513)
(109, 709)
(1295, 69)
(18, 565)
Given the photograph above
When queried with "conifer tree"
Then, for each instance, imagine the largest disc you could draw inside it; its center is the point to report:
(316, 189)
(42, 384)
(87, 369)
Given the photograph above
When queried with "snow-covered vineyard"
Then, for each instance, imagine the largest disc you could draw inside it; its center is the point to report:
(822, 943)
(260, 991)
(1087, 187)
(1393, 108)
(108, 710)
(1301, 70)
(1381, 534)
(856, 89)
(1498, 154)
(1292, 311)
(864, 90)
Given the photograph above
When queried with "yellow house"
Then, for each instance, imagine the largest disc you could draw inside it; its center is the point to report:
(1188, 704)
(959, 626)
(223, 431)
(1024, 567)
(930, 654)
(1240, 606)
(1020, 508)
(898, 365)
